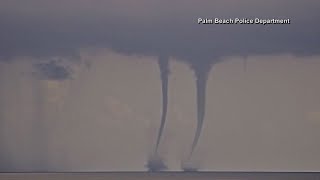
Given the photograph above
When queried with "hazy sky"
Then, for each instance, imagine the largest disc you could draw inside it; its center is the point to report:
(80, 87)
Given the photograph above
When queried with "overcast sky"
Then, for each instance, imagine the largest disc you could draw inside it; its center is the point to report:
(79, 83)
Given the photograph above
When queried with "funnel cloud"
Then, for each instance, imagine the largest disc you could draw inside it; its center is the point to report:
(163, 62)
(155, 163)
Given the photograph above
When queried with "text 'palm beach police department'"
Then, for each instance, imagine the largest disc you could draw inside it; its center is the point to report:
(243, 21)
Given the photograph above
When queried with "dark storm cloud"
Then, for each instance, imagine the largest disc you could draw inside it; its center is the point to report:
(47, 28)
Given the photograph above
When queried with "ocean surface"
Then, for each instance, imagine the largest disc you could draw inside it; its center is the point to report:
(161, 176)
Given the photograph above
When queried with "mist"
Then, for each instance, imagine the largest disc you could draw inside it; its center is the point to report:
(22, 110)
(95, 116)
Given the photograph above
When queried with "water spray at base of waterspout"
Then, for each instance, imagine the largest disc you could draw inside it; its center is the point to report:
(155, 163)
(188, 167)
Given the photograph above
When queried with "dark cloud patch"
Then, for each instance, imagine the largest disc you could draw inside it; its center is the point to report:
(157, 27)
(52, 71)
